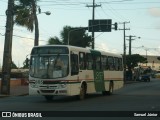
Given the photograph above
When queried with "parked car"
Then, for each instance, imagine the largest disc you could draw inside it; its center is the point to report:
(145, 78)
(146, 75)
(157, 75)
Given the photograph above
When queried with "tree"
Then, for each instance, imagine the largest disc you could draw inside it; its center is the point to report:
(25, 15)
(132, 61)
(13, 65)
(54, 40)
(26, 63)
(64, 34)
(75, 36)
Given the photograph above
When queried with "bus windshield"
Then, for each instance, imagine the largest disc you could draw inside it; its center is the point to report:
(49, 66)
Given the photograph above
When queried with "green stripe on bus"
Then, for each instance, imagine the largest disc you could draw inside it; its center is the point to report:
(95, 52)
(99, 81)
(98, 75)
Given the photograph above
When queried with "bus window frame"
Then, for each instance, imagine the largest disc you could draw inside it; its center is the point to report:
(82, 61)
(89, 62)
(74, 59)
(120, 64)
(111, 66)
(104, 64)
(97, 62)
(116, 63)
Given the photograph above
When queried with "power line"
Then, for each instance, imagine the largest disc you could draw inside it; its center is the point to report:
(130, 3)
(114, 12)
(131, 38)
(93, 16)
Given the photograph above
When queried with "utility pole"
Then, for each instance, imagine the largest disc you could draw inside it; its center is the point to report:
(130, 43)
(7, 58)
(130, 64)
(124, 47)
(36, 40)
(93, 16)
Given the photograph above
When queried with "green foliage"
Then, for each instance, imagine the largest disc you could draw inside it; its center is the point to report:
(24, 14)
(54, 40)
(13, 65)
(26, 63)
(133, 60)
(64, 34)
(76, 36)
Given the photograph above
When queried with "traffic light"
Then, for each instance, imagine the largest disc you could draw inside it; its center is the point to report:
(116, 26)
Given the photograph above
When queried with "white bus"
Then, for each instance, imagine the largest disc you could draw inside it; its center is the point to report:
(69, 70)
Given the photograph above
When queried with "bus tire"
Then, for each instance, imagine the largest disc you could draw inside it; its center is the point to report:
(49, 97)
(82, 93)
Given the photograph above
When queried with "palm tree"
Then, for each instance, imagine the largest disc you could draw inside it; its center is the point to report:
(54, 40)
(26, 16)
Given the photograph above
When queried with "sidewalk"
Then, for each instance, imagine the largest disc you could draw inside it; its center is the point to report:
(17, 91)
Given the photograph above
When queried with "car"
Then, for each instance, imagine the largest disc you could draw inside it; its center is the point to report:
(145, 78)
(157, 75)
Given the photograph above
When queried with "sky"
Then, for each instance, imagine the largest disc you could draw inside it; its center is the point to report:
(143, 15)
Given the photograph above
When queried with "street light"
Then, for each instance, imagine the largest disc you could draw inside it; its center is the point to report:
(146, 49)
(36, 41)
(81, 28)
(69, 35)
(47, 12)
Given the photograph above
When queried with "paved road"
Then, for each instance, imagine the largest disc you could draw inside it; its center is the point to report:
(141, 96)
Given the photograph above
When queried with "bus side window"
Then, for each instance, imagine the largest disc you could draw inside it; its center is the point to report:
(104, 62)
(98, 62)
(82, 62)
(74, 64)
(89, 61)
(116, 63)
(111, 63)
(120, 64)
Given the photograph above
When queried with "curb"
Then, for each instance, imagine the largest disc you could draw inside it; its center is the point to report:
(4, 96)
(130, 82)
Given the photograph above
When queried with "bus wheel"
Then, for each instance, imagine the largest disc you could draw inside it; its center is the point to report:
(82, 94)
(48, 97)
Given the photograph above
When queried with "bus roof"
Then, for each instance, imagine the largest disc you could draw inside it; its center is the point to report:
(81, 49)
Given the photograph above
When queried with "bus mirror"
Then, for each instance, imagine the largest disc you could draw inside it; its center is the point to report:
(30, 62)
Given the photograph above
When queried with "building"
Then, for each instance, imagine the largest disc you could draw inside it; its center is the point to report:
(152, 62)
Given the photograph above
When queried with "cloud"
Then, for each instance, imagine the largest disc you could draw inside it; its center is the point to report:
(21, 47)
(155, 12)
(104, 47)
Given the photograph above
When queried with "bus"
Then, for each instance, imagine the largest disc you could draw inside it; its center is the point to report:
(73, 71)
